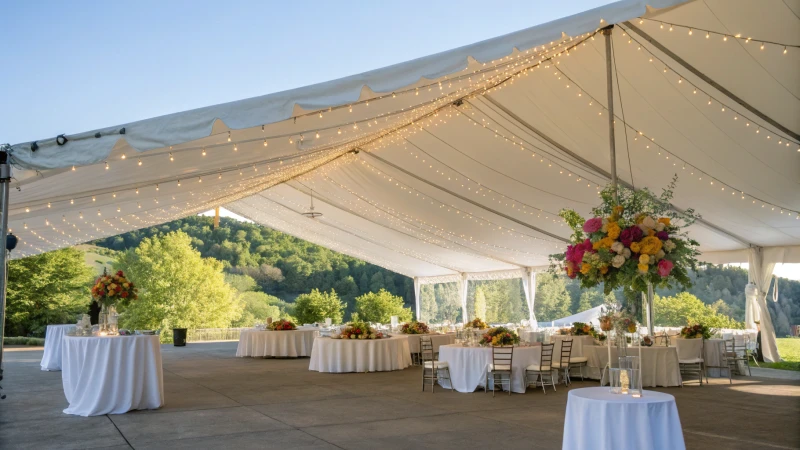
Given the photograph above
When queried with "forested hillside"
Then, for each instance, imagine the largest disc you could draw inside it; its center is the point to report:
(285, 266)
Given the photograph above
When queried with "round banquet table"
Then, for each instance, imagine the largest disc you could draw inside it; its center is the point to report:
(598, 419)
(51, 360)
(294, 343)
(111, 374)
(360, 355)
(437, 339)
(579, 344)
(659, 364)
(468, 366)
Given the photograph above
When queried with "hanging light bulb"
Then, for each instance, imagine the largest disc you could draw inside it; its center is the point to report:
(204, 152)
(157, 188)
(784, 50)
(73, 168)
(265, 143)
(339, 132)
(690, 31)
(171, 158)
(229, 136)
(140, 161)
(123, 156)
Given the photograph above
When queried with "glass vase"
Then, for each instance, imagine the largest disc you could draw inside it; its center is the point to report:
(622, 343)
(103, 319)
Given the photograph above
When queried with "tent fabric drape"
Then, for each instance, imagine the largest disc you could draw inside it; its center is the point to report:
(416, 297)
(462, 295)
(762, 263)
(529, 286)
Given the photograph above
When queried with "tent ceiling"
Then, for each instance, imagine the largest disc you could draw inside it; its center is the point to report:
(459, 162)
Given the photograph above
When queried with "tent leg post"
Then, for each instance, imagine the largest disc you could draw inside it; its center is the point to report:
(610, 88)
(5, 182)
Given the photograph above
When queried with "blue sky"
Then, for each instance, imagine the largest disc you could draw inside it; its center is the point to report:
(73, 66)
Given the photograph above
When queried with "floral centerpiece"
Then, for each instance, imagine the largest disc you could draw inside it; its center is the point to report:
(620, 321)
(108, 290)
(499, 336)
(564, 331)
(414, 327)
(633, 243)
(696, 331)
(581, 329)
(282, 325)
(360, 330)
(477, 323)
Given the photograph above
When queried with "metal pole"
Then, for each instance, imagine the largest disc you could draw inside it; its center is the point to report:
(610, 88)
(648, 310)
(5, 181)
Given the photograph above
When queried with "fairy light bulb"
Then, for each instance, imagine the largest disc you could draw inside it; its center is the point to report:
(291, 141)
(235, 148)
(157, 188)
(690, 31)
(762, 46)
(708, 35)
(199, 180)
(94, 198)
(229, 136)
(204, 152)
(48, 204)
(123, 156)
(725, 38)
(137, 190)
(316, 135)
(171, 158)
(73, 168)
(140, 161)
(265, 143)
(119, 209)
(784, 50)
(71, 201)
(338, 132)
(179, 183)
(98, 212)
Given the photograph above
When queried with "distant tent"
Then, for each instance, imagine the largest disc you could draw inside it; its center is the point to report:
(588, 316)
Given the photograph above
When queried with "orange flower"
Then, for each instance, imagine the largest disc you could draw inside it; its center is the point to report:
(604, 269)
(635, 247)
(585, 268)
(614, 230)
(664, 220)
(643, 267)
(650, 245)
(605, 243)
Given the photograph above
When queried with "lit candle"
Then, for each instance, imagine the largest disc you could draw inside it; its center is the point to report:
(103, 333)
(623, 381)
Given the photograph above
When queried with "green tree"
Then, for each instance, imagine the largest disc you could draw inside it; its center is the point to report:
(242, 283)
(52, 287)
(480, 303)
(552, 300)
(177, 287)
(257, 307)
(428, 309)
(381, 306)
(316, 306)
(684, 309)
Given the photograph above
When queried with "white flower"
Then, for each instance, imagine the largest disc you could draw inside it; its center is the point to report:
(618, 261)
(626, 253)
(352, 336)
(660, 226)
(617, 247)
(649, 222)
(669, 245)
(644, 229)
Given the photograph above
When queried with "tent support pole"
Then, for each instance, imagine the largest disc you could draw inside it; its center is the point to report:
(5, 185)
(610, 89)
(216, 217)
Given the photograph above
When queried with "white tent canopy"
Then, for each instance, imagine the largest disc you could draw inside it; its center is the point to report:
(589, 316)
(459, 162)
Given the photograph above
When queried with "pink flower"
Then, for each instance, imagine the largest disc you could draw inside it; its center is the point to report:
(630, 235)
(665, 267)
(593, 225)
(575, 252)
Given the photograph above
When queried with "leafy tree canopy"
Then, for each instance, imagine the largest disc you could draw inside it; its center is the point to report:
(381, 306)
(316, 306)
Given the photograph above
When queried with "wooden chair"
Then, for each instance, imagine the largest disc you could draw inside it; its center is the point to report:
(542, 370)
(430, 366)
(500, 368)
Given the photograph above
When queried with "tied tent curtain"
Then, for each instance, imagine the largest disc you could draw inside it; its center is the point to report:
(416, 296)
(529, 286)
(762, 263)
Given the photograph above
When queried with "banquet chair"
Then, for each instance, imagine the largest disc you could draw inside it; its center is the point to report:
(563, 362)
(542, 370)
(728, 349)
(740, 354)
(500, 368)
(661, 340)
(690, 357)
(430, 366)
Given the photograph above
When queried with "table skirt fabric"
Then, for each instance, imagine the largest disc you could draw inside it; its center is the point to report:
(53, 337)
(112, 375)
(579, 343)
(468, 366)
(360, 355)
(597, 419)
(659, 364)
(437, 339)
(259, 344)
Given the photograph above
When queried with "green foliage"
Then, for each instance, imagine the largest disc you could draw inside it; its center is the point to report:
(686, 309)
(22, 340)
(258, 306)
(381, 306)
(480, 303)
(789, 349)
(242, 283)
(49, 288)
(552, 300)
(316, 306)
(177, 287)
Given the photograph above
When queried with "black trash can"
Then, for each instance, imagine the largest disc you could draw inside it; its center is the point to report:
(179, 337)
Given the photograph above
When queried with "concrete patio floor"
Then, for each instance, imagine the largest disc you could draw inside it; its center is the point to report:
(215, 400)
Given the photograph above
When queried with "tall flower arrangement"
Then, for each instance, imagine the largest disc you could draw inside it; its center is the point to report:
(108, 290)
(632, 243)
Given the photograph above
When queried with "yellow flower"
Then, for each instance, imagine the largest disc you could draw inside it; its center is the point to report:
(650, 245)
(651, 232)
(604, 269)
(643, 267)
(585, 268)
(635, 247)
(618, 209)
(605, 243)
(644, 259)
(664, 220)
(614, 230)
(640, 218)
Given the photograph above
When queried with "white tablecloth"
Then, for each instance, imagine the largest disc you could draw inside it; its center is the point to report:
(659, 364)
(468, 366)
(111, 375)
(51, 360)
(578, 344)
(597, 419)
(259, 343)
(437, 339)
(360, 355)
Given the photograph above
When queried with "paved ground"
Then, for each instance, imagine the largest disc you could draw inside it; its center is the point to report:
(215, 400)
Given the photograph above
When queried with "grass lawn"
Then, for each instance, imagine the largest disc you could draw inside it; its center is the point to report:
(789, 349)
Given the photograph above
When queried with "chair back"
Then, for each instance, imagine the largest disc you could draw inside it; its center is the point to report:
(661, 340)
(689, 348)
(566, 352)
(730, 347)
(425, 348)
(502, 358)
(546, 362)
